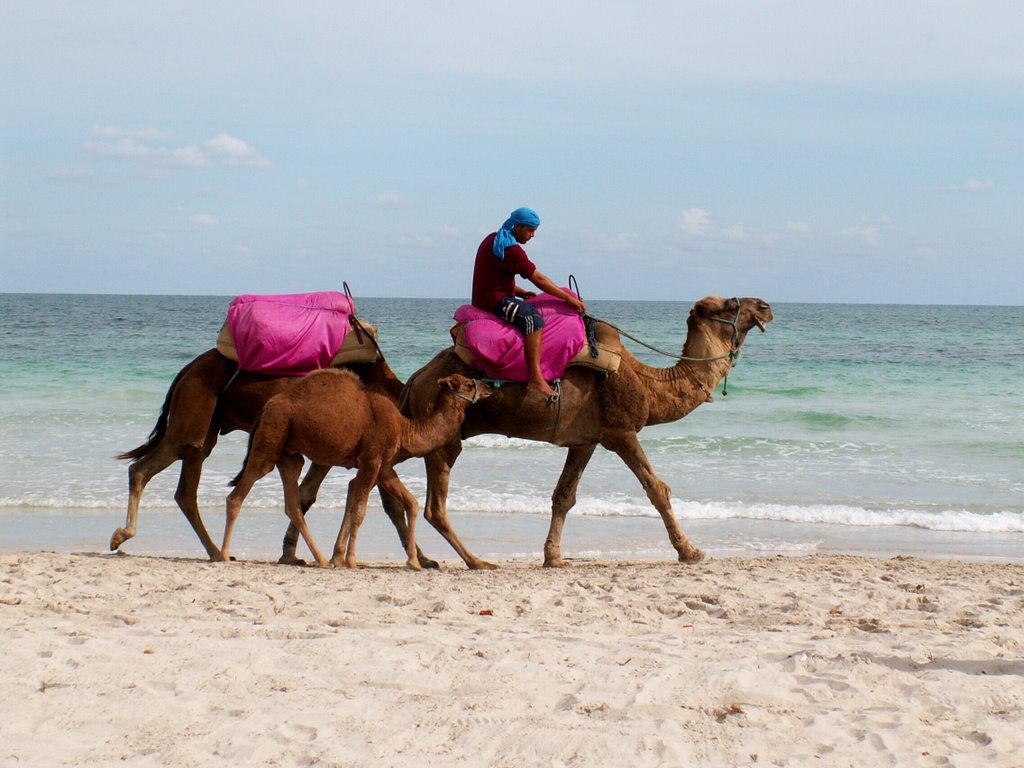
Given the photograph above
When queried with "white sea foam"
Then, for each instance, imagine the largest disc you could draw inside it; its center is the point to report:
(617, 505)
(268, 497)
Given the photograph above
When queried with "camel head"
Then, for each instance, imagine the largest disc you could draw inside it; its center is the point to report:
(470, 390)
(735, 316)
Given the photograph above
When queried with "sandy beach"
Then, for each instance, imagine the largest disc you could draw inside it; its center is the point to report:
(817, 660)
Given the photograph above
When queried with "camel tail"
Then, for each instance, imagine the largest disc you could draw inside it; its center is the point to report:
(248, 452)
(161, 423)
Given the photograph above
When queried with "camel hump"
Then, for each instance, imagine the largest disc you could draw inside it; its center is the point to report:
(330, 379)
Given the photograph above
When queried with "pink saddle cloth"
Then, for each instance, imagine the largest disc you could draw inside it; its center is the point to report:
(289, 334)
(497, 347)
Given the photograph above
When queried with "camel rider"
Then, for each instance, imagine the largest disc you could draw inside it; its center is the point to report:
(499, 259)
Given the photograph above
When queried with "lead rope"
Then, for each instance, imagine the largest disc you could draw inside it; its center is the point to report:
(733, 353)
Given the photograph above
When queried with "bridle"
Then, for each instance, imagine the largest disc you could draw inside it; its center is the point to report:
(476, 393)
(733, 353)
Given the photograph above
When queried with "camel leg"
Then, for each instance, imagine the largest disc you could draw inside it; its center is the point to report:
(187, 493)
(253, 471)
(139, 475)
(439, 465)
(355, 512)
(346, 526)
(628, 448)
(563, 499)
(308, 490)
(393, 506)
(388, 483)
(289, 466)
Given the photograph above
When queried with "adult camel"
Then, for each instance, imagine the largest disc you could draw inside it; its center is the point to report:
(592, 410)
(211, 397)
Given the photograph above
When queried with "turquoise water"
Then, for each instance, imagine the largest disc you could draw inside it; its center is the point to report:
(858, 428)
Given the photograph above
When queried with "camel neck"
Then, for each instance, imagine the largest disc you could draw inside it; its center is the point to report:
(421, 436)
(679, 389)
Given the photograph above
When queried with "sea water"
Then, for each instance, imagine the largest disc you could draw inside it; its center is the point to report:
(847, 428)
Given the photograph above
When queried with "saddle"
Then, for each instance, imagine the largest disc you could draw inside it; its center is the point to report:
(293, 334)
(485, 342)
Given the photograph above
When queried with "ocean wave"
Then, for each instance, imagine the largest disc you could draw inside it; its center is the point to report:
(949, 520)
(609, 506)
(615, 505)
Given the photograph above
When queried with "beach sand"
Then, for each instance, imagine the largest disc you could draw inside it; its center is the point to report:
(818, 660)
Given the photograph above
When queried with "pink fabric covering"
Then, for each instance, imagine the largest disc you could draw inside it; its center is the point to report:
(497, 347)
(289, 334)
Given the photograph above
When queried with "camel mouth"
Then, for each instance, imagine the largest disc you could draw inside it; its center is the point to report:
(759, 324)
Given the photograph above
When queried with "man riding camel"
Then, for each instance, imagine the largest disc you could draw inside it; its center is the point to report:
(499, 259)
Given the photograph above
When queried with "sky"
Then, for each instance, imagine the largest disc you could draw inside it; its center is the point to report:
(868, 152)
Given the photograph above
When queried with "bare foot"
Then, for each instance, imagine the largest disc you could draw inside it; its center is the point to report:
(543, 388)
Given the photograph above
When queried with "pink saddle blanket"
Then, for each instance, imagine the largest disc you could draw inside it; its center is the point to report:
(289, 334)
(497, 347)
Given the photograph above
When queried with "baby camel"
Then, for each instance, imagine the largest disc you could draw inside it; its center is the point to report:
(333, 420)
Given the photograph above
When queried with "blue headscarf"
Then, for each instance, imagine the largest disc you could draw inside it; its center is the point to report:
(525, 216)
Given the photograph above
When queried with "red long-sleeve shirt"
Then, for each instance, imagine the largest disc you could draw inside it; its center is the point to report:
(494, 278)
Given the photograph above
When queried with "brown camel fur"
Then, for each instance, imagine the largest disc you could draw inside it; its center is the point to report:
(592, 410)
(334, 420)
(210, 397)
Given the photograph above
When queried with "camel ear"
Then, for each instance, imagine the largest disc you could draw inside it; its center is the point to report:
(449, 383)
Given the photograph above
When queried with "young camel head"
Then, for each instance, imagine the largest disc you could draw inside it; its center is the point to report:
(464, 388)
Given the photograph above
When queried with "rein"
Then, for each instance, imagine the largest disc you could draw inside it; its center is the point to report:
(732, 354)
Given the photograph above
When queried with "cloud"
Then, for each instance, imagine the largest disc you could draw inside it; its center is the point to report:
(141, 146)
(978, 185)
(797, 226)
(188, 157)
(204, 219)
(232, 150)
(696, 222)
(737, 232)
(868, 235)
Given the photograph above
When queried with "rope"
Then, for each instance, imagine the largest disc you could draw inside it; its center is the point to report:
(733, 354)
(358, 324)
(674, 355)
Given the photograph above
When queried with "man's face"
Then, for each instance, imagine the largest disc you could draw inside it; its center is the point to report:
(522, 233)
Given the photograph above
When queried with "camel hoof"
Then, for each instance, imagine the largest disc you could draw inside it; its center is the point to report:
(481, 565)
(426, 562)
(556, 562)
(290, 560)
(413, 565)
(693, 556)
(120, 537)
